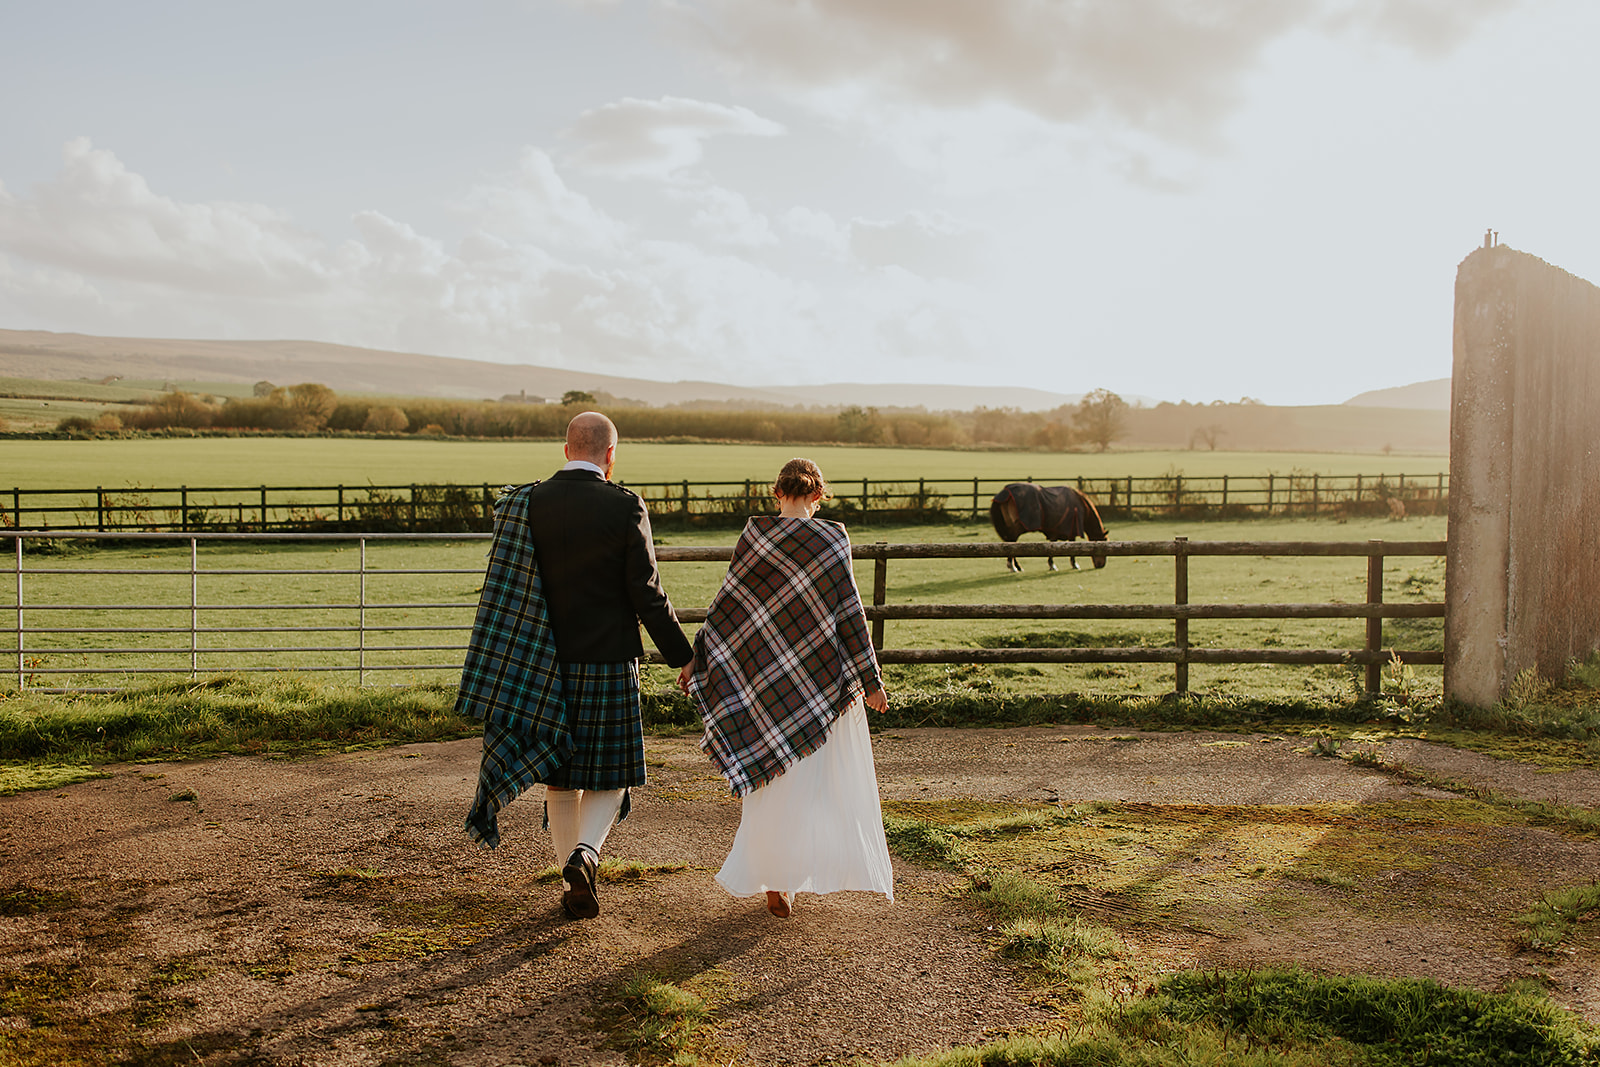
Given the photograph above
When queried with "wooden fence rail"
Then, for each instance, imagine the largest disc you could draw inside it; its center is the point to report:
(460, 507)
(368, 637)
(1373, 655)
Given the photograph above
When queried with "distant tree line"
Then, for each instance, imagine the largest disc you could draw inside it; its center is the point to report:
(1095, 422)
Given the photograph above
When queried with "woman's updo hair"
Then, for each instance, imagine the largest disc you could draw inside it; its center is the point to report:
(800, 479)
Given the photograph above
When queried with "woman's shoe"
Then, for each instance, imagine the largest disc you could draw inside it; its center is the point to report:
(780, 904)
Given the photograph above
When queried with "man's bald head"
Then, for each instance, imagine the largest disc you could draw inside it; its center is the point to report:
(591, 436)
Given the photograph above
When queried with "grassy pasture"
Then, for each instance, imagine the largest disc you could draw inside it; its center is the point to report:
(456, 572)
(110, 393)
(355, 461)
(31, 414)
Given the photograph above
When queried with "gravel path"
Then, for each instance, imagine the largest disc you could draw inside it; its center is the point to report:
(331, 911)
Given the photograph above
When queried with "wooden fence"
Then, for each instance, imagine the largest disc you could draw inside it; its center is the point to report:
(371, 644)
(1372, 656)
(449, 508)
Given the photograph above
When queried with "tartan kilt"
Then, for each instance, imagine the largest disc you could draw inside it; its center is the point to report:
(607, 732)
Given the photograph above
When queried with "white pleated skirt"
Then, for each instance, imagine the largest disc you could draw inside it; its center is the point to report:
(818, 827)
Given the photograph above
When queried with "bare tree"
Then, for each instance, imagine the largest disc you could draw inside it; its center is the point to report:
(1208, 436)
(1100, 418)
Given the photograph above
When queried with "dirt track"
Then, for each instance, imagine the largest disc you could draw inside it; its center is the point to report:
(332, 912)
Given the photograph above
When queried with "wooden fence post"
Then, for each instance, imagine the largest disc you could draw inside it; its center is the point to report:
(1130, 496)
(263, 509)
(880, 591)
(100, 508)
(1375, 622)
(974, 499)
(1224, 512)
(686, 500)
(863, 498)
(1180, 626)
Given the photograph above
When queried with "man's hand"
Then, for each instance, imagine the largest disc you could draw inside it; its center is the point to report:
(877, 700)
(683, 676)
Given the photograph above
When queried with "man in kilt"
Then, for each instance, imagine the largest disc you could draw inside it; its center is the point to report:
(552, 667)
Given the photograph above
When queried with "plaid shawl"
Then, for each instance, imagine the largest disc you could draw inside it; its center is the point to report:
(511, 679)
(783, 651)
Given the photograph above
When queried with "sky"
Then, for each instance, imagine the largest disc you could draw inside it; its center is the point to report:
(1173, 199)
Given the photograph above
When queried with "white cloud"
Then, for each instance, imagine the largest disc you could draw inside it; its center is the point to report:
(1171, 68)
(934, 246)
(533, 203)
(1427, 27)
(98, 218)
(658, 138)
(541, 275)
(725, 216)
(818, 228)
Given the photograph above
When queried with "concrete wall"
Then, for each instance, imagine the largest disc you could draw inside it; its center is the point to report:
(1523, 575)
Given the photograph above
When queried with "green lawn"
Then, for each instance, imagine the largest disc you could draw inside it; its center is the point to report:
(317, 461)
(256, 600)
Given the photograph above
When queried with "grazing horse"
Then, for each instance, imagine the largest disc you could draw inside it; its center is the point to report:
(1060, 512)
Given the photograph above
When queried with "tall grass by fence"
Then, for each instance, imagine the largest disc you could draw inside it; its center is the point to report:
(461, 508)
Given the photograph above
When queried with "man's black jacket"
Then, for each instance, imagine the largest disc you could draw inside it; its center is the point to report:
(598, 568)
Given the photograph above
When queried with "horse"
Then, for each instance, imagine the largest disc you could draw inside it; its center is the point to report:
(1060, 512)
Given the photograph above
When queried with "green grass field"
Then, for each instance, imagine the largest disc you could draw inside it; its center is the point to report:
(247, 600)
(317, 461)
(100, 392)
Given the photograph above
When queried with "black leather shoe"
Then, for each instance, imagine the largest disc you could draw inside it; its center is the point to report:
(579, 874)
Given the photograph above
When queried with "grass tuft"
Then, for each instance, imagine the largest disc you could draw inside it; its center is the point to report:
(663, 1021)
(922, 842)
(1550, 922)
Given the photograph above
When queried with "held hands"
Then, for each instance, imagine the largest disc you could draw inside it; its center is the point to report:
(683, 676)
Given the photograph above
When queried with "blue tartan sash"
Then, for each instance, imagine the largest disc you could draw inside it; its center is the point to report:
(511, 679)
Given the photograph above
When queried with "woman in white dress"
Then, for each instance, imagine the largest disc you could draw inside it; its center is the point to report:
(783, 671)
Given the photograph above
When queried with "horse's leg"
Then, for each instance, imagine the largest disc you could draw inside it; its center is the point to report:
(1012, 532)
(1051, 560)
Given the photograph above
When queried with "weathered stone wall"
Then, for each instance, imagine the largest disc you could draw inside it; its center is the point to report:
(1523, 575)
